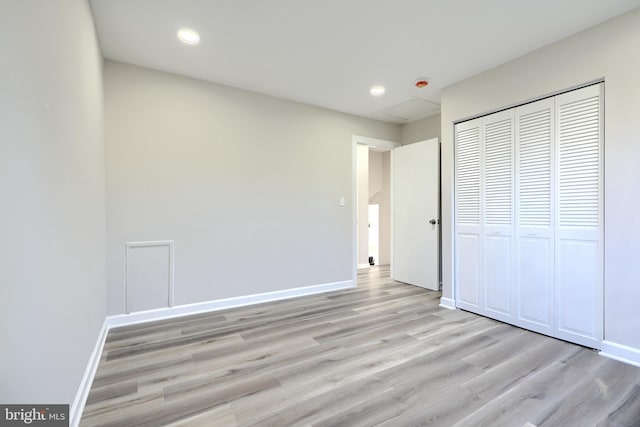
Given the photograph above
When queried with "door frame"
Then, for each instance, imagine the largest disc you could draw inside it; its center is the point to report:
(369, 142)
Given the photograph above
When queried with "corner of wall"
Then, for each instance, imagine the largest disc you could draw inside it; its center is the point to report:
(77, 407)
(620, 352)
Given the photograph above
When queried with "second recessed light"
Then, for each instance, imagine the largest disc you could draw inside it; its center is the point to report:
(377, 90)
(188, 36)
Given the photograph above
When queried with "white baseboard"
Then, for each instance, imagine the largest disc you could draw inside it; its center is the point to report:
(222, 304)
(75, 412)
(621, 353)
(360, 266)
(447, 303)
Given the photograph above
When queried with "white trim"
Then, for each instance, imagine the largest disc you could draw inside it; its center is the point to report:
(447, 303)
(354, 210)
(532, 100)
(392, 203)
(620, 352)
(222, 304)
(371, 142)
(374, 142)
(147, 244)
(451, 220)
(75, 412)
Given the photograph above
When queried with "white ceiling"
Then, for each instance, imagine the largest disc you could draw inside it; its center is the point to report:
(330, 52)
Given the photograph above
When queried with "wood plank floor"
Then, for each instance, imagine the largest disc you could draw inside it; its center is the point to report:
(382, 354)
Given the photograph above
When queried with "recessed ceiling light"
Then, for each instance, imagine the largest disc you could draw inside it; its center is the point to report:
(377, 90)
(188, 36)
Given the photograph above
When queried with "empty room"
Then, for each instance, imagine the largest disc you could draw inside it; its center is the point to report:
(290, 213)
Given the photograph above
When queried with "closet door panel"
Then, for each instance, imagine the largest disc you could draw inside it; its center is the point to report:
(535, 284)
(534, 216)
(578, 291)
(468, 272)
(468, 216)
(579, 282)
(499, 275)
(498, 141)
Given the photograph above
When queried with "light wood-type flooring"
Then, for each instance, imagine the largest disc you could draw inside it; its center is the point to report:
(382, 354)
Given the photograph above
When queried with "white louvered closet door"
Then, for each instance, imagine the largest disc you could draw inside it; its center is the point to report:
(579, 222)
(498, 224)
(529, 216)
(534, 278)
(468, 216)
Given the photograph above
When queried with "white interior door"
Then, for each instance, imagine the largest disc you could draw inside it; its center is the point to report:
(579, 227)
(497, 230)
(468, 217)
(416, 186)
(534, 217)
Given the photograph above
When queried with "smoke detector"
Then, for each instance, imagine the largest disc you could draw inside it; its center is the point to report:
(421, 82)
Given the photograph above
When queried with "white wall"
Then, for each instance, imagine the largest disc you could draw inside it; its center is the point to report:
(380, 194)
(247, 185)
(420, 130)
(52, 221)
(375, 172)
(608, 51)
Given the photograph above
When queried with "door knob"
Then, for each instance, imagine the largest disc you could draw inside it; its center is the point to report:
(432, 222)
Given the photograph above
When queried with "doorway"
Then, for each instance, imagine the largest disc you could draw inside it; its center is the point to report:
(372, 185)
(404, 182)
(374, 206)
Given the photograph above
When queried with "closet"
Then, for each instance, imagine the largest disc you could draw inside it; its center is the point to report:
(528, 216)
